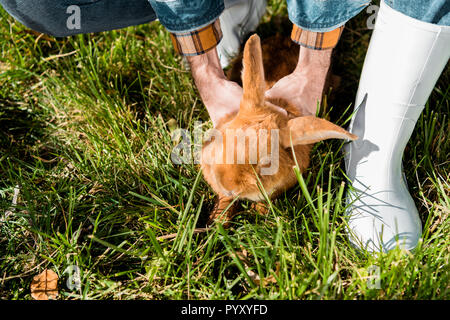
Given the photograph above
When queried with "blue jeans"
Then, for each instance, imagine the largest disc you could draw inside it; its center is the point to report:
(50, 16)
(326, 15)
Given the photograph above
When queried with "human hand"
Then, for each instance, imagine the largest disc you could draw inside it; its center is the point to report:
(304, 86)
(220, 96)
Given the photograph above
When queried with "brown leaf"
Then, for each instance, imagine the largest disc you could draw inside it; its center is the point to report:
(97, 187)
(243, 256)
(45, 285)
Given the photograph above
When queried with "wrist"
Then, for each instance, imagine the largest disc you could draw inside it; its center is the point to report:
(315, 61)
(205, 68)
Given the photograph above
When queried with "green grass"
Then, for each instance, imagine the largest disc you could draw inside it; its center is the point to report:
(85, 134)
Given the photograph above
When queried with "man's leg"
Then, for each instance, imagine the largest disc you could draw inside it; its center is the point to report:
(54, 17)
(405, 59)
(239, 18)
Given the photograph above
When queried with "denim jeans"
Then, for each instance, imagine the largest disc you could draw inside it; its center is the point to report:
(50, 16)
(325, 15)
(431, 11)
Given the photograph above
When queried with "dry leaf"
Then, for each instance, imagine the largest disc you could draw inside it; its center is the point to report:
(97, 187)
(243, 256)
(45, 285)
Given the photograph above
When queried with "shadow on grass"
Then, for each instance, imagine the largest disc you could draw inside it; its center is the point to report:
(20, 129)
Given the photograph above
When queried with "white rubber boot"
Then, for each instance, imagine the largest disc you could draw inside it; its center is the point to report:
(404, 60)
(239, 18)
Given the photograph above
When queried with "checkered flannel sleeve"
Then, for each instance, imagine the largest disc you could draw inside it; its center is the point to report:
(316, 40)
(197, 42)
(193, 43)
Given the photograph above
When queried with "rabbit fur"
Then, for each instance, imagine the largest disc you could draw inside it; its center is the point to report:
(278, 130)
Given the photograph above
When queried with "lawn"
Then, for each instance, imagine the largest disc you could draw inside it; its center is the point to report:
(85, 144)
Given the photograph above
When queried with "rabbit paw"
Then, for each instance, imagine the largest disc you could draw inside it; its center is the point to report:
(222, 211)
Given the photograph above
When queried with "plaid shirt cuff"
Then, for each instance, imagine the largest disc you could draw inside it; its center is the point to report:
(194, 43)
(316, 40)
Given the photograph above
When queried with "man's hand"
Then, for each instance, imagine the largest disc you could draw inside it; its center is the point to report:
(220, 96)
(304, 87)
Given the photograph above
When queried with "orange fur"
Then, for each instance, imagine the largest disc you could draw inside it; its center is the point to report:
(257, 115)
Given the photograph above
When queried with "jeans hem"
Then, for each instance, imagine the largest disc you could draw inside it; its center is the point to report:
(192, 26)
(325, 26)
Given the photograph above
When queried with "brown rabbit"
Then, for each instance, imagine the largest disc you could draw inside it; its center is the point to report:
(254, 147)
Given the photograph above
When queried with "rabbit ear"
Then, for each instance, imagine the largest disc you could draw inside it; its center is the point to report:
(253, 74)
(309, 129)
